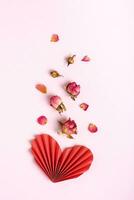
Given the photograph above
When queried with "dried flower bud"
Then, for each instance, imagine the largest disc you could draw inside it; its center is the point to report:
(56, 102)
(73, 90)
(70, 60)
(68, 128)
(55, 74)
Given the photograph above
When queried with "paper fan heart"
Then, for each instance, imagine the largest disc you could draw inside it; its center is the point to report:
(60, 165)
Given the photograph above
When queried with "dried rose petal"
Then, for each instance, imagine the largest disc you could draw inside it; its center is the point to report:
(70, 60)
(84, 106)
(55, 74)
(42, 120)
(85, 59)
(92, 128)
(54, 38)
(41, 87)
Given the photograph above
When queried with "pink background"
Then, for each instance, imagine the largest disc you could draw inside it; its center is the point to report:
(102, 29)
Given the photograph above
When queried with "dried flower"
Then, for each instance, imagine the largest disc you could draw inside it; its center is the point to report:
(92, 128)
(56, 102)
(42, 120)
(55, 74)
(68, 128)
(84, 106)
(70, 60)
(41, 87)
(54, 38)
(73, 90)
(85, 59)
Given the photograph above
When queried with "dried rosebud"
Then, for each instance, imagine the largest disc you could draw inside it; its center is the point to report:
(41, 87)
(84, 106)
(42, 120)
(85, 59)
(56, 102)
(55, 74)
(73, 90)
(70, 59)
(92, 128)
(54, 38)
(68, 128)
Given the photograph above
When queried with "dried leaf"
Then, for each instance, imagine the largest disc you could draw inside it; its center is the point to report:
(54, 38)
(41, 87)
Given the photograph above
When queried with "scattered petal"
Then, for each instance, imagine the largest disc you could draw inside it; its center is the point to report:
(70, 60)
(54, 38)
(92, 128)
(42, 120)
(84, 106)
(55, 74)
(41, 87)
(85, 59)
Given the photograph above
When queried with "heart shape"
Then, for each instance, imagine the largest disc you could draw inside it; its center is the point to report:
(60, 165)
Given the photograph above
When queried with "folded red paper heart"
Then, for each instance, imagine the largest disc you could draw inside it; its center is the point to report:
(60, 165)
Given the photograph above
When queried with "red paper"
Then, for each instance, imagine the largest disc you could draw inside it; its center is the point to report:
(60, 165)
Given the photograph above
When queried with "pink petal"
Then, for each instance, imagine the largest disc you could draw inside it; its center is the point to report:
(85, 59)
(84, 106)
(92, 128)
(42, 120)
(54, 38)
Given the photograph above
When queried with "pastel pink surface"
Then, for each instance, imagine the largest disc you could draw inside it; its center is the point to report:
(104, 31)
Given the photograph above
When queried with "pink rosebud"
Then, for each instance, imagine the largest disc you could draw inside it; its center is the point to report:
(85, 59)
(56, 102)
(92, 128)
(42, 120)
(73, 89)
(68, 128)
(84, 106)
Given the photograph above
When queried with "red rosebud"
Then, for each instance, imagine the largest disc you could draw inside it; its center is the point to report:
(68, 128)
(73, 89)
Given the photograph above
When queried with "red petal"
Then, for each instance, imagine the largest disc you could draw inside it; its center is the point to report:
(84, 106)
(54, 38)
(92, 128)
(42, 120)
(42, 88)
(85, 59)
